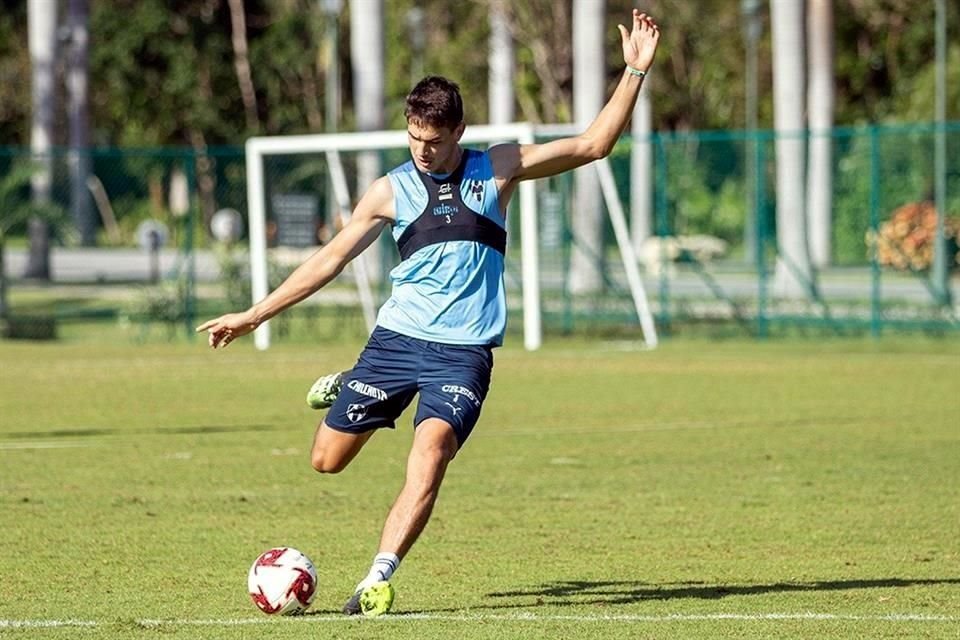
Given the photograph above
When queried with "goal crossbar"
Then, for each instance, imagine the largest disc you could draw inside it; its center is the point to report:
(524, 133)
(260, 147)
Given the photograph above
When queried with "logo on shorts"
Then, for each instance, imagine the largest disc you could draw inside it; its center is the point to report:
(454, 408)
(458, 391)
(356, 412)
(368, 390)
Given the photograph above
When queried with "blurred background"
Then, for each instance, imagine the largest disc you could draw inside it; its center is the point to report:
(792, 165)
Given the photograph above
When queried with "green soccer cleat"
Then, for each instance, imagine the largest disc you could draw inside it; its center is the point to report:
(371, 601)
(325, 390)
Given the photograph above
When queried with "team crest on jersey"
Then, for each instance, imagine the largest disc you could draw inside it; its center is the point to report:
(446, 191)
(476, 189)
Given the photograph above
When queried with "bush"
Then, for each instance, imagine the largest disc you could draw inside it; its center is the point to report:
(906, 241)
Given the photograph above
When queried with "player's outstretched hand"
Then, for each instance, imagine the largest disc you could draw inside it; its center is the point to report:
(222, 331)
(640, 43)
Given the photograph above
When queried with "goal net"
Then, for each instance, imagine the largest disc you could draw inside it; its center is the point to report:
(332, 152)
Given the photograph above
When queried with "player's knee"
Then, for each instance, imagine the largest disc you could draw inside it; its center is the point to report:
(323, 462)
(436, 449)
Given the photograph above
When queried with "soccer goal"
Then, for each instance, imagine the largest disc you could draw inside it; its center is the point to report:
(330, 147)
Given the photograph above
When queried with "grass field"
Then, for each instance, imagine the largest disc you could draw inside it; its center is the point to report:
(723, 490)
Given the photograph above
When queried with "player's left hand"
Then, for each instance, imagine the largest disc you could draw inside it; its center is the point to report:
(640, 43)
(223, 330)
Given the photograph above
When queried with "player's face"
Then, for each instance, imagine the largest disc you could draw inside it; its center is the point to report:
(434, 149)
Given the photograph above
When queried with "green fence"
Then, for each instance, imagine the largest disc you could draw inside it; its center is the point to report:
(710, 257)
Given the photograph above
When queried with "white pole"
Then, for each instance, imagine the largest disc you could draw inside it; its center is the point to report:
(589, 85)
(501, 61)
(258, 236)
(361, 275)
(617, 217)
(530, 260)
(820, 106)
(641, 170)
(366, 50)
(793, 275)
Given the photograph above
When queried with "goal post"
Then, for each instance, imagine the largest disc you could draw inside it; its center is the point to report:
(331, 146)
(259, 148)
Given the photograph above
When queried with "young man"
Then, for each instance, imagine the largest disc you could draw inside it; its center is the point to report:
(435, 334)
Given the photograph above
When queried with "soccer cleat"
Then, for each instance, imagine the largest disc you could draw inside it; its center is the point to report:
(325, 390)
(372, 601)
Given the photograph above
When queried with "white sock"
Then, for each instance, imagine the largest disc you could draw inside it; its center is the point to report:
(384, 564)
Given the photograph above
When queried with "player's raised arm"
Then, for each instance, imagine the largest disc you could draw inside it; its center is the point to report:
(513, 163)
(372, 214)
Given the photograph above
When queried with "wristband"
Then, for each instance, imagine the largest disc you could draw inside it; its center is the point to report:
(636, 72)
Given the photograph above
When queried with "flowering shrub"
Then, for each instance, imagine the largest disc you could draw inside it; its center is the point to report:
(906, 240)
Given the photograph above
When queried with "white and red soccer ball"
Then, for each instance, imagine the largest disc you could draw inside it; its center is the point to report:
(282, 581)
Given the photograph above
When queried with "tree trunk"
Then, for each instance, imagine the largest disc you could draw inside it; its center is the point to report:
(793, 276)
(241, 63)
(501, 63)
(42, 30)
(641, 170)
(366, 50)
(589, 49)
(820, 104)
(81, 203)
(3, 284)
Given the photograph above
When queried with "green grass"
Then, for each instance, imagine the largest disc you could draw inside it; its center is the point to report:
(723, 490)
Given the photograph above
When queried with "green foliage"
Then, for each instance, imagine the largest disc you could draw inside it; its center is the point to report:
(704, 195)
(14, 74)
(904, 166)
(16, 210)
(162, 71)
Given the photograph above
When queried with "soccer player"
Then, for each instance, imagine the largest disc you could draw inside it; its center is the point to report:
(447, 311)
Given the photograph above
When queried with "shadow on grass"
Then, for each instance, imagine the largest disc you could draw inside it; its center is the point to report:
(580, 592)
(89, 433)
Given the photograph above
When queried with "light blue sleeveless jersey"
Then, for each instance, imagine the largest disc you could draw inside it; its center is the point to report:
(451, 292)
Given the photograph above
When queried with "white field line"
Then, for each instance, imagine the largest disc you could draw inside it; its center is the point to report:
(532, 617)
(12, 446)
(515, 617)
(45, 624)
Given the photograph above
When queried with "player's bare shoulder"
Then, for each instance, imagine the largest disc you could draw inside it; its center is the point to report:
(505, 158)
(378, 201)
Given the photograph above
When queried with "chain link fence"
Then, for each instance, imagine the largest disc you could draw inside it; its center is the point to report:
(709, 251)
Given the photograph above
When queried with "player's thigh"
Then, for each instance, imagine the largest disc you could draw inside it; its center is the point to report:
(453, 386)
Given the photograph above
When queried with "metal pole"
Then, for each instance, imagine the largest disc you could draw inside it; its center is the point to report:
(761, 234)
(941, 269)
(751, 13)
(876, 318)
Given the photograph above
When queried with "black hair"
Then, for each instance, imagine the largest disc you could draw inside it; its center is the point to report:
(435, 101)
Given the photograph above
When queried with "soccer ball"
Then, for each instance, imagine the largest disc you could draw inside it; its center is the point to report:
(282, 581)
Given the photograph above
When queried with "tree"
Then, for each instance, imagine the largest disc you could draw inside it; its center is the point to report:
(366, 48)
(79, 117)
(589, 81)
(500, 83)
(820, 102)
(42, 25)
(793, 277)
(17, 210)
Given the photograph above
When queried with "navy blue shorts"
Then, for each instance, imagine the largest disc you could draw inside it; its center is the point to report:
(452, 381)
